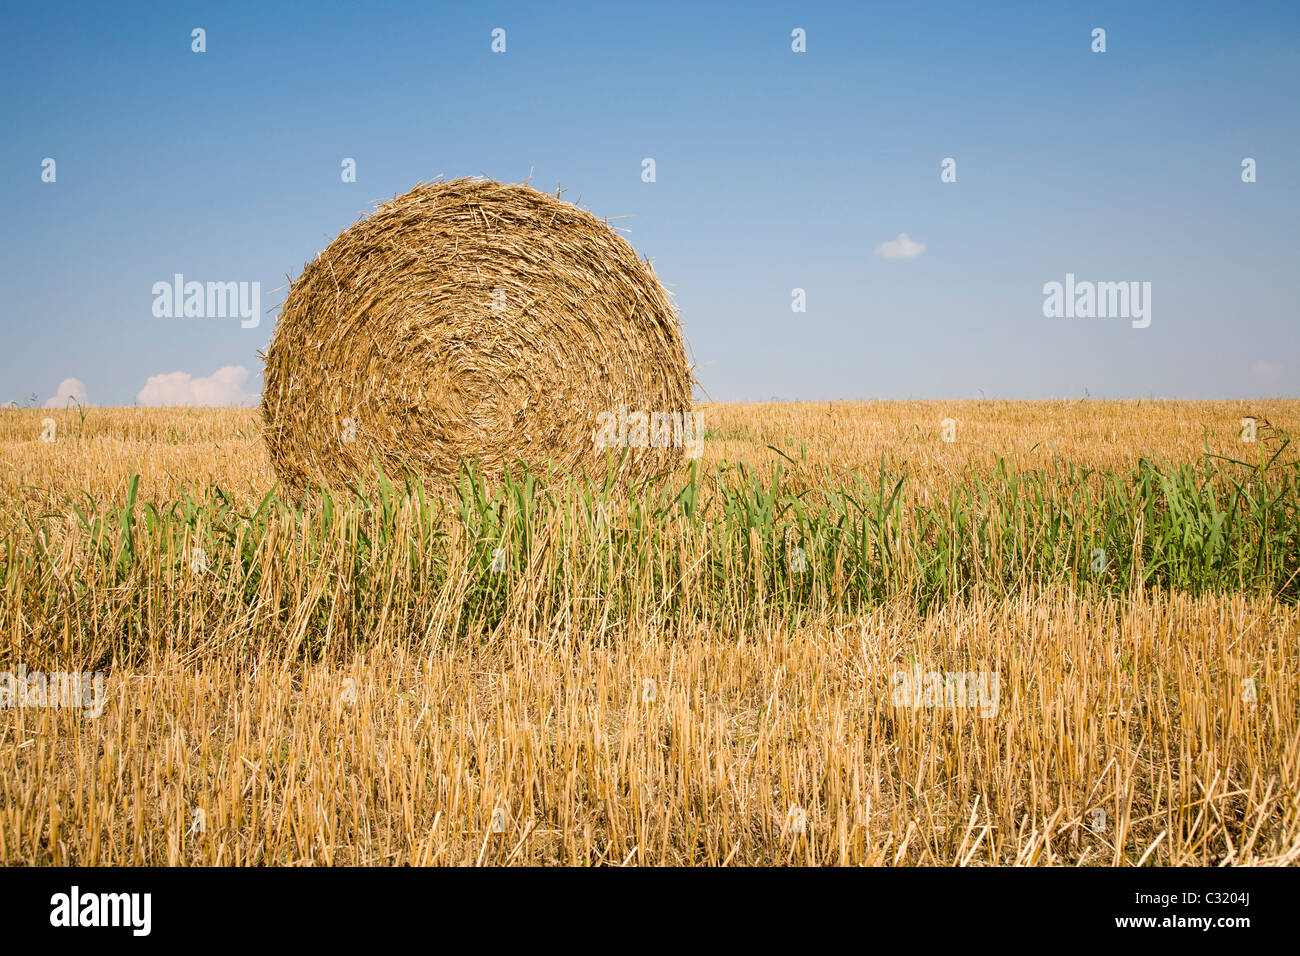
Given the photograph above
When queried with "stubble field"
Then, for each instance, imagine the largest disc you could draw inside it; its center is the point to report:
(1067, 635)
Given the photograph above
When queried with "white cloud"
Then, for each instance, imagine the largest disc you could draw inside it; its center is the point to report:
(225, 386)
(900, 248)
(1267, 369)
(70, 391)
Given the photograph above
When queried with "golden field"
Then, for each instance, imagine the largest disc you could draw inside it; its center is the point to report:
(658, 683)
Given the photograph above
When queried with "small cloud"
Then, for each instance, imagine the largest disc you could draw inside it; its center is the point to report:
(71, 391)
(225, 386)
(900, 248)
(1269, 370)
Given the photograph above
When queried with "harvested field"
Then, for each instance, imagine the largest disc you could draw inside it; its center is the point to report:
(837, 638)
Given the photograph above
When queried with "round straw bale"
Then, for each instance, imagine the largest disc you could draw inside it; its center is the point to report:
(471, 321)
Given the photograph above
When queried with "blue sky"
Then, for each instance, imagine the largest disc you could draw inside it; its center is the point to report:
(775, 171)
